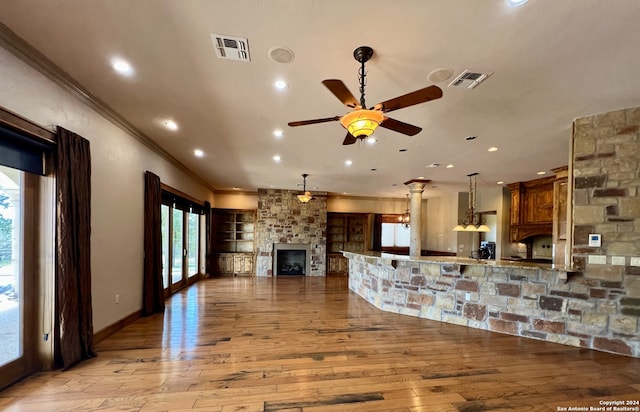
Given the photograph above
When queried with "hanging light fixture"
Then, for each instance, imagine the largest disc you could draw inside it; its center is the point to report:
(362, 123)
(472, 220)
(405, 219)
(306, 197)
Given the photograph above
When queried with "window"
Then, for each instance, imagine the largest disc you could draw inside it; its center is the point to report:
(394, 235)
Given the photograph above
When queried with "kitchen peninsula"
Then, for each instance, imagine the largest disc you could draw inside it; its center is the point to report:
(532, 300)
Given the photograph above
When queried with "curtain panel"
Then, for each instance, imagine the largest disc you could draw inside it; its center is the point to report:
(152, 289)
(74, 312)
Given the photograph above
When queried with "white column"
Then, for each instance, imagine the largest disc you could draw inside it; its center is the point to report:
(416, 187)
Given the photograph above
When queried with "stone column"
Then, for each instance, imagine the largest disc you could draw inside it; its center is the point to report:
(416, 187)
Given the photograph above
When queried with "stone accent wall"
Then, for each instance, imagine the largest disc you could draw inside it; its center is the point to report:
(529, 302)
(606, 171)
(282, 218)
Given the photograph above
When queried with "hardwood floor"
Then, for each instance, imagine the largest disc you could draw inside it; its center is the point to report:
(309, 344)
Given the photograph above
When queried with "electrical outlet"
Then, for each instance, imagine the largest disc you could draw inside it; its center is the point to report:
(117, 298)
(467, 296)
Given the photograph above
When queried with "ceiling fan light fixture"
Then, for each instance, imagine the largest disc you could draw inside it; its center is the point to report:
(362, 123)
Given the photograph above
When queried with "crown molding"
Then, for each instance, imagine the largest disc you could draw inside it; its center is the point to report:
(17, 46)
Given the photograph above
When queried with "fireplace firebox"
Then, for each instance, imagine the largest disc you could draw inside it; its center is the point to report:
(291, 259)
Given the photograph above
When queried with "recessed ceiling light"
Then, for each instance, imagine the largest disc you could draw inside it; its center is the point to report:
(421, 177)
(277, 158)
(122, 66)
(432, 165)
(542, 173)
(371, 140)
(348, 162)
(470, 138)
(236, 188)
(170, 124)
(449, 166)
(516, 3)
(492, 149)
(280, 84)
(278, 133)
(500, 182)
(198, 153)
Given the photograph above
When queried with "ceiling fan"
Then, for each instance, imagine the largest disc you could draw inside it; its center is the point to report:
(361, 122)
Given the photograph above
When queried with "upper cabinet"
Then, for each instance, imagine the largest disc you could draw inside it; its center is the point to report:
(531, 208)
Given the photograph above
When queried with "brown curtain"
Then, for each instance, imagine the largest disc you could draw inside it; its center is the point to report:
(74, 313)
(377, 232)
(152, 289)
(207, 236)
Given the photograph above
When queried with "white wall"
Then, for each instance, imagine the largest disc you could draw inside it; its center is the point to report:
(118, 165)
(442, 216)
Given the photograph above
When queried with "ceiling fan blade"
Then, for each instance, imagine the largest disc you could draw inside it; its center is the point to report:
(341, 92)
(349, 139)
(400, 127)
(314, 121)
(409, 99)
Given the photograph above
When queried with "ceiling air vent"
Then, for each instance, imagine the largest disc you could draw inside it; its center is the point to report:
(231, 48)
(469, 79)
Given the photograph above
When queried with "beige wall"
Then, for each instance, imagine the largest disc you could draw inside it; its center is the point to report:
(118, 165)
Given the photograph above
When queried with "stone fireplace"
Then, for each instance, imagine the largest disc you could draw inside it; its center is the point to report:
(285, 224)
(291, 259)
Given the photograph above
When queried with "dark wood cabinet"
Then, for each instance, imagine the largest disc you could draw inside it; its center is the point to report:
(531, 208)
(345, 232)
(233, 241)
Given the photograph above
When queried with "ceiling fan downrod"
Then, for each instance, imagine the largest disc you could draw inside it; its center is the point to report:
(362, 54)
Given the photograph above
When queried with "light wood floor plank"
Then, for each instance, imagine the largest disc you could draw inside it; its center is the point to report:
(309, 344)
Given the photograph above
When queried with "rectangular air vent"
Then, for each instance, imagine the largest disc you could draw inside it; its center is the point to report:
(231, 48)
(469, 79)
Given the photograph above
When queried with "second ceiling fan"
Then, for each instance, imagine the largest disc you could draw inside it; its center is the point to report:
(361, 122)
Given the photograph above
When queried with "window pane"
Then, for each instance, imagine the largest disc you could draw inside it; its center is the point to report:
(177, 236)
(166, 252)
(192, 239)
(387, 236)
(402, 235)
(10, 264)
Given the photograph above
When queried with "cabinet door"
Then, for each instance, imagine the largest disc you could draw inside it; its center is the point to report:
(243, 264)
(540, 205)
(223, 264)
(337, 264)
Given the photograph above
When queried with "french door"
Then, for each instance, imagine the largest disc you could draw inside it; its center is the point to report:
(181, 246)
(17, 273)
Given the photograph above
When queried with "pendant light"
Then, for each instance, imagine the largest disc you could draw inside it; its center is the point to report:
(472, 219)
(405, 219)
(306, 197)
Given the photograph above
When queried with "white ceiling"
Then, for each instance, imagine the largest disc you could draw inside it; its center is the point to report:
(552, 61)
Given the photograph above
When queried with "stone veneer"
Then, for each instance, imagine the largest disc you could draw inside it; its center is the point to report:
(532, 302)
(281, 218)
(606, 171)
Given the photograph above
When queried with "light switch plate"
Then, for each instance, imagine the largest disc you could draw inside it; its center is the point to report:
(618, 260)
(598, 259)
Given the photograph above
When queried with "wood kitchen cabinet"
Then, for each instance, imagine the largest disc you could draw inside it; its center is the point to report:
(531, 208)
(233, 244)
(345, 232)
